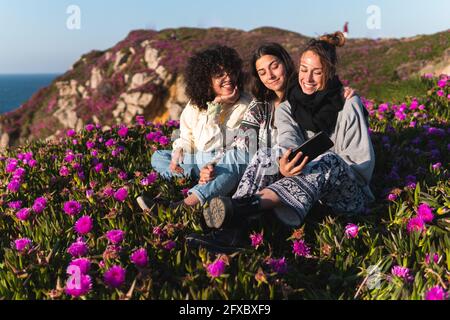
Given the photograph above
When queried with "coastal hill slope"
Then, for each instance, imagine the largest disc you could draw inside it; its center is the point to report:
(142, 75)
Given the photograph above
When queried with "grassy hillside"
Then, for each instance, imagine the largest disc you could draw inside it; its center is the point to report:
(72, 203)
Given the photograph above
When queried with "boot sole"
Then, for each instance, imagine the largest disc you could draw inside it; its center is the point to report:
(216, 214)
(213, 248)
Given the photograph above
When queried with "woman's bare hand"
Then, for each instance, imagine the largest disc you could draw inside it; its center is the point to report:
(229, 99)
(177, 158)
(290, 168)
(349, 93)
(206, 174)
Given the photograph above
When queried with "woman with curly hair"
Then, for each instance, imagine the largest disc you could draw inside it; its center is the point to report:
(338, 178)
(208, 127)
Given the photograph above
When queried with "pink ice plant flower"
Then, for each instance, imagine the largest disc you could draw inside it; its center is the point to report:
(278, 265)
(121, 194)
(22, 244)
(78, 248)
(436, 293)
(23, 214)
(402, 272)
(72, 208)
(351, 231)
(300, 248)
(216, 269)
(415, 224)
(257, 240)
(425, 212)
(115, 276)
(140, 258)
(39, 205)
(115, 236)
(83, 264)
(79, 287)
(84, 225)
(123, 132)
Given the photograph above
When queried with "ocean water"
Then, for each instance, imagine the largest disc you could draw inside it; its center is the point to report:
(17, 89)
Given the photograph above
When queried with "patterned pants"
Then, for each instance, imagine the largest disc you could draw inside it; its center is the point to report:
(261, 172)
(329, 179)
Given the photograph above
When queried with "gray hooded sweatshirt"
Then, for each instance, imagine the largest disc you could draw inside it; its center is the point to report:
(351, 139)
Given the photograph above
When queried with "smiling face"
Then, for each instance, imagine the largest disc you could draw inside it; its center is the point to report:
(223, 84)
(272, 73)
(311, 73)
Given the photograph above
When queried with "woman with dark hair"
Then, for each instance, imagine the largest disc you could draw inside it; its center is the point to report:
(339, 178)
(208, 127)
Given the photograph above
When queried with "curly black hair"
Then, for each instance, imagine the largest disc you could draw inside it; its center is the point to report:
(203, 66)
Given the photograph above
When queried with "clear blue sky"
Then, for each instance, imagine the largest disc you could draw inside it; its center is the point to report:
(34, 37)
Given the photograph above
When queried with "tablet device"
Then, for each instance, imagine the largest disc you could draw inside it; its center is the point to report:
(314, 147)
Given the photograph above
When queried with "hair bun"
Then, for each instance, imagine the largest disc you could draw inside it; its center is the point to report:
(336, 39)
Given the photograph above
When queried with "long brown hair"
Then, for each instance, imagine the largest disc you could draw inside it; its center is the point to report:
(325, 48)
(259, 90)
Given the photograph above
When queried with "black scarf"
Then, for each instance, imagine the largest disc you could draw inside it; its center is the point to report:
(319, 111)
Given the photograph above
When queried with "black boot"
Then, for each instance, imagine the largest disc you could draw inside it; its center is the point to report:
(224, 212)
(147, 204)
(224, 241)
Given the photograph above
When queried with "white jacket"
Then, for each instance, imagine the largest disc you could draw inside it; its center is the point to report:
(211, 130)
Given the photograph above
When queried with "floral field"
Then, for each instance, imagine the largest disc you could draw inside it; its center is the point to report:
(70, 227)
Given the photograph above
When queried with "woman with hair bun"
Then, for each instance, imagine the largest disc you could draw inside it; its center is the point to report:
(338, 178)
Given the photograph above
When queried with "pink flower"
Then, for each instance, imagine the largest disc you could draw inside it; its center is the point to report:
(115, 276)
(442, 83)
(72, 208)
(71, 133)
(98, 167)
(416, 224)
(216, 269)
(300, 248)
(123, 132)
(90, 145)
(164, 141)
(123, 175)
(150, 179)
(392, 197)
(115, 236)
(435, 258)
(169, 245)
(78, 287)
(90, 127)
(11, 165)
(39, 205)
(78, 248)
(110, 143)
(257, 240)
(140, 258)
(158, 231)
(121, 194)
(185, 192)
(440, 93)
(23, 214)
(15, 205)
(83, 264)
(425, 213)
(14, 186)
(84, 225)
(22, 244)
(64, 171)
(108, 192)
(278, 265)
(437, 166)
(351, 231)
(401, 272)
(436, 293)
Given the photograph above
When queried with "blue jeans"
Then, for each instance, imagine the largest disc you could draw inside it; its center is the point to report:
(227, 172)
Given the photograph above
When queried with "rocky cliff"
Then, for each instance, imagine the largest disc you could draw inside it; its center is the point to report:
(142, 75)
